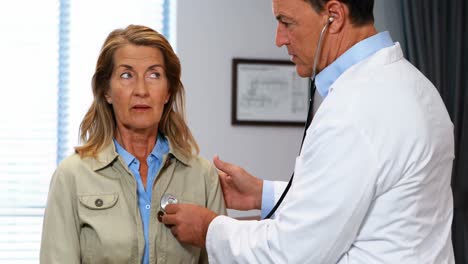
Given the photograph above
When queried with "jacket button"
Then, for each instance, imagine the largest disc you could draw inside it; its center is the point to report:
(98, 202)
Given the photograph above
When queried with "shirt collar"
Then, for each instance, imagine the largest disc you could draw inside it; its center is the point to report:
(357, 53)
(161, 147)
(108, 154)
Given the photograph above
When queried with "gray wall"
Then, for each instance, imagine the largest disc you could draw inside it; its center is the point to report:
(209, 34)
(388, 17)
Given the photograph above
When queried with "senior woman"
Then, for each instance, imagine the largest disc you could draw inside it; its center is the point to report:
(104, 199)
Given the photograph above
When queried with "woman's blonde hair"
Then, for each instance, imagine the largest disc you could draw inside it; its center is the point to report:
(98, 126)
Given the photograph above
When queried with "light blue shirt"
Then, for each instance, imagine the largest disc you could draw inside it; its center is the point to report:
(154, 161)
(357, 53)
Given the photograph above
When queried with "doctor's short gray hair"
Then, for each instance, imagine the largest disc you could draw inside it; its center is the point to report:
(361, 11)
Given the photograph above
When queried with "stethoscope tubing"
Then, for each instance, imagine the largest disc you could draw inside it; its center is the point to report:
(309, 110)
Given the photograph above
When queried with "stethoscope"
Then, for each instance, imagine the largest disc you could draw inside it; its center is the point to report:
(168, 198)
(309, 111)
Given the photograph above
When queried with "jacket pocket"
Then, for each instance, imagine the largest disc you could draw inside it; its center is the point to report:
(99, 201)
(108, 232)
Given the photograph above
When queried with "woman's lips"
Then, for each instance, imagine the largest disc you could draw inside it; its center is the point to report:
(141, 107)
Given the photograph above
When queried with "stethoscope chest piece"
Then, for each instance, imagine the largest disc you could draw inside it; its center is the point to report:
(165, 200)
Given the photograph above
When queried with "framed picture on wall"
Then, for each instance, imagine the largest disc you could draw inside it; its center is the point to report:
(268, 92)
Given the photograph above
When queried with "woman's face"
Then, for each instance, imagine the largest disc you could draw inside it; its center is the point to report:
(138, 87)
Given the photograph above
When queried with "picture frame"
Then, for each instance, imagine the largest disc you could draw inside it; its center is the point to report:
(268, 93)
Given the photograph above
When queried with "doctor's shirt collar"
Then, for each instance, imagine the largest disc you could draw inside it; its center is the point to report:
(357, 53)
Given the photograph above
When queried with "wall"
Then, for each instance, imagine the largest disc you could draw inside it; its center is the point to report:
(388, 17)
(209, 34)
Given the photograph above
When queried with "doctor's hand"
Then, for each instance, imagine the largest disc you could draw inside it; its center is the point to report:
(188, 223)
(242, 191)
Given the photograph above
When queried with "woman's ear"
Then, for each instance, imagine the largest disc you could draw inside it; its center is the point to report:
(339, 11)
(108, 98)
(167, 99)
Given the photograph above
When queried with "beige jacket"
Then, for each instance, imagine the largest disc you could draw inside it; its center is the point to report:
(92, 213)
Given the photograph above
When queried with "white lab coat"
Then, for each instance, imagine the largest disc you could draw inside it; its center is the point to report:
(372, 182)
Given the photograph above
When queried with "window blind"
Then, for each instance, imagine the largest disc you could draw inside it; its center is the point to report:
(49, 53)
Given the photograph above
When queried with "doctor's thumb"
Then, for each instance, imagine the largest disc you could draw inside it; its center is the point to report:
(224, 166)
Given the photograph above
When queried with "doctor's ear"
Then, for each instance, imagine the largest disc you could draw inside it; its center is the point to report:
(338, 13)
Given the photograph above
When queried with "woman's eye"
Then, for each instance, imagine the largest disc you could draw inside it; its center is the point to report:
(125, 75)
(155, 75)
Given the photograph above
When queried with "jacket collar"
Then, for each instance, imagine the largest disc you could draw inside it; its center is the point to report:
(109, 154)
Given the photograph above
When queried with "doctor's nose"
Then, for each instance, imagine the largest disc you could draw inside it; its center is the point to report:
(281, 36)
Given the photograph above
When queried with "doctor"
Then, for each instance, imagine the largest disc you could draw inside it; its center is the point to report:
(372, 181)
